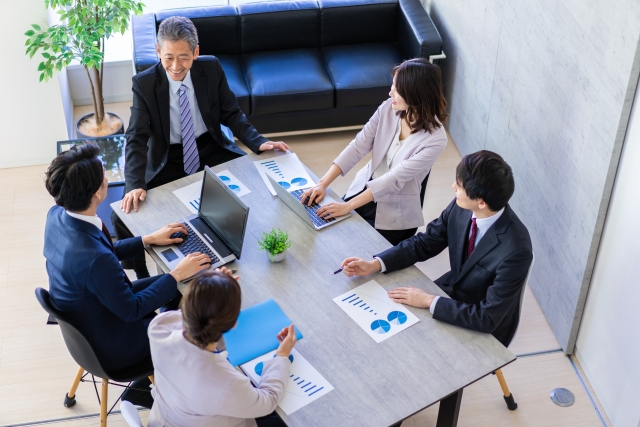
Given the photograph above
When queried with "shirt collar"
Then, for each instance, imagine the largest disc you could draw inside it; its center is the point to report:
(175, 85)
(484, 223)
(90, 219)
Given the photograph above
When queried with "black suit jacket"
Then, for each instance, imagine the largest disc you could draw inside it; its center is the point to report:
(484, 289)
(148, 132)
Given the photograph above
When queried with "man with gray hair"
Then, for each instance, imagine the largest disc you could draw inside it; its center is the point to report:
(174, 129)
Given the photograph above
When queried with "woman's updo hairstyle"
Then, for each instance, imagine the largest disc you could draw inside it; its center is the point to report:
(419, 83)
(210, 307)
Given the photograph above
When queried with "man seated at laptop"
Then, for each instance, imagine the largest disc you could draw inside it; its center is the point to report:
(86, 281)
(489, 252)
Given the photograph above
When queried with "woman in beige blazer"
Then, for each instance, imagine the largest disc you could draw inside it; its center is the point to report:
(195, 385)
(405, 137)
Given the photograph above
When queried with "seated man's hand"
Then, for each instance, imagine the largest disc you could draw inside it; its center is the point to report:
(359, 267)
(163, 237)
(411, 296)
(131, 199)
(270, 145)
(190, 265)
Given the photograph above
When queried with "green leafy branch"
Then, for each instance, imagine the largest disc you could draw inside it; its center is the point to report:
(275, 241)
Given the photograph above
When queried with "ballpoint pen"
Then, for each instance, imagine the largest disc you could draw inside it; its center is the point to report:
(336, 272)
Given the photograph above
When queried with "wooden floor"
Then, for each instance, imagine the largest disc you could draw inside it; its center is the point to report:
(36, 369)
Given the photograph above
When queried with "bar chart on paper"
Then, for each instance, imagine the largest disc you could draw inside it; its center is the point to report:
(287, 170)
(372, 309)
(305, 383)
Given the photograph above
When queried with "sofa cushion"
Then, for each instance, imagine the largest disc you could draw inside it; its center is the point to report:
(361, 73)
(279, 25)
(287, 80)
(232, 66)
(217, 27)
(345, 22)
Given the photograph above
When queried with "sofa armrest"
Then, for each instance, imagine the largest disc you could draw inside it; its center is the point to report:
(417, 35)
(144, 42)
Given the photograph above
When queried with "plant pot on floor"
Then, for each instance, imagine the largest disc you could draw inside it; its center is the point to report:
(112, 125)
(278, 257)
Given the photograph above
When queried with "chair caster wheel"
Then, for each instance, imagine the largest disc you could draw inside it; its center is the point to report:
(69, 401)
(511, 404)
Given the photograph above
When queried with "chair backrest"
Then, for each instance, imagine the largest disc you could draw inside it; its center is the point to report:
(76, 342)
(130, 414)
(423, 189)
(522, 291)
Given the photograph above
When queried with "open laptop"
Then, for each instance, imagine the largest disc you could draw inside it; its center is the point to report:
(216, 230)
(307, 213)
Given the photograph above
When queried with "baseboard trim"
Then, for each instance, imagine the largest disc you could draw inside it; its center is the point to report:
(71, 418)
(587, 390)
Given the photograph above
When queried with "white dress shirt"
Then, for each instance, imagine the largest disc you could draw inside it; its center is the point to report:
(90, 219)
(175, 131)
(483, 225)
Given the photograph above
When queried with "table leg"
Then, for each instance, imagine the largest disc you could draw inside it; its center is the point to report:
(449, 410)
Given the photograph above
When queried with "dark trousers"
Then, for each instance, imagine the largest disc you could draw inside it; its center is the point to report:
(271, 420)
(210, 153)
(368, 213)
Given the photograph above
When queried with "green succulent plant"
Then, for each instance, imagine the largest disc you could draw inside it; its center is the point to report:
(274, 242)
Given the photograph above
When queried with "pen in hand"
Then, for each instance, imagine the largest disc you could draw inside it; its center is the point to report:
(336, 272)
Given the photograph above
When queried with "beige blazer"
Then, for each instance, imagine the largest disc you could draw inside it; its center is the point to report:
(397, 193)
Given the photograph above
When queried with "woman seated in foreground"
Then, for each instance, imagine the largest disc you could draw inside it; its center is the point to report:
(195, 385)
(405, 137)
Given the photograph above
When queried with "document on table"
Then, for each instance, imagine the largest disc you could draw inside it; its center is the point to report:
(372, 309)
(190, 194)
(287, 170)
(305, 383)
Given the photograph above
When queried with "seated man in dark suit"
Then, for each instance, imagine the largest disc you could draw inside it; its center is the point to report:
(86, 281)
(489, 252)
(174, 129)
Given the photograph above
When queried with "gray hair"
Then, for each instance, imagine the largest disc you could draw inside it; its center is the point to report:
(178, 28)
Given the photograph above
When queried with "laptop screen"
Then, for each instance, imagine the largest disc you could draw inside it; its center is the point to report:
(223, 211)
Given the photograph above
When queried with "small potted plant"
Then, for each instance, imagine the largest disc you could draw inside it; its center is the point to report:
(276, 243)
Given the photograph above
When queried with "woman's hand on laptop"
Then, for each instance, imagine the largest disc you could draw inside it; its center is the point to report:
(163, 237)
(190, 265)
(334, 209)
(314, 194)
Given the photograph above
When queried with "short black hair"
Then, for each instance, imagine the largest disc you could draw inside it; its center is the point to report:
(74, 176)
(485, 175)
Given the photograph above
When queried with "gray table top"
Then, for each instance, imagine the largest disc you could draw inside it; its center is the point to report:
(375, 384)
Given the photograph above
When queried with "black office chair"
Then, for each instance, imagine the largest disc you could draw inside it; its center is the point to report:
(423, 189)
(508, 397)
(86, 358)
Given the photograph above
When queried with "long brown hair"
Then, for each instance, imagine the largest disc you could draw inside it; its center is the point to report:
(210, 307)
(419, 83)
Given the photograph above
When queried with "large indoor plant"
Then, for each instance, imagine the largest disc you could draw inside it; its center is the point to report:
(84, 27)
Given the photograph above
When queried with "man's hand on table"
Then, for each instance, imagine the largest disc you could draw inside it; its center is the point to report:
(411, 296)
(163, 237)
(132, 198)
(359, 267)
(190, 265)
(271, 145)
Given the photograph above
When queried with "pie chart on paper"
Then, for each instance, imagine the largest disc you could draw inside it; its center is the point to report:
(380, 326)
(299, 182)
(224, 178)
(234, 188)
(285, 185)
(397, 318)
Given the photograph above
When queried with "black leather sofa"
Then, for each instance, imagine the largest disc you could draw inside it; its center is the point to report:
(306, 64)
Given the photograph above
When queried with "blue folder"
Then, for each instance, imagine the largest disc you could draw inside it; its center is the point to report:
(255, 333)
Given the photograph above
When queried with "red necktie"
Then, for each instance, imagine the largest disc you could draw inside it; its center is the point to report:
(105, 230)
(472, 239)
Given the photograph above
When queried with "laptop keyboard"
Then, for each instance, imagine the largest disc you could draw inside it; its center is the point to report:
(311, 210)
(192, 243)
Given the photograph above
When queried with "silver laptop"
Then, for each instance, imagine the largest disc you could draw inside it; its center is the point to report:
(216, 230)
(307, 213)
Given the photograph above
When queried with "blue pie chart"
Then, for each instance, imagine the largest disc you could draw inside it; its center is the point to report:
(285, 185)
(234, 188)
(380, 326)
(224, 178)
(397, 317)
(299, 182)
(259, 367)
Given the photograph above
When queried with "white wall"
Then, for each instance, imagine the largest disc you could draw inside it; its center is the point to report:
(31, 114)
(608, 345)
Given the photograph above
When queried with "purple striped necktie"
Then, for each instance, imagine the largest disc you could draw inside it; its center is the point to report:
(472, 238)
(189, 147)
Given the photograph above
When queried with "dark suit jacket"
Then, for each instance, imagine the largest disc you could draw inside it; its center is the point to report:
(87, 284)
(148, 132)
(484, 289)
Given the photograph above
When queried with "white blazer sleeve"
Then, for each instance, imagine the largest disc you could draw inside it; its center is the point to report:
(361, 145)
(242, 400)
(394, 180)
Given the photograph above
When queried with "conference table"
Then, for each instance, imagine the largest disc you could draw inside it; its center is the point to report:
(376, 384)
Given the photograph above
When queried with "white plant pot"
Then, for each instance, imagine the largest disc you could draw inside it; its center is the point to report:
(278, 257)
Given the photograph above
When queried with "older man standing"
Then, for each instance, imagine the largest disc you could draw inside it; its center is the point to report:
(174, 130)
